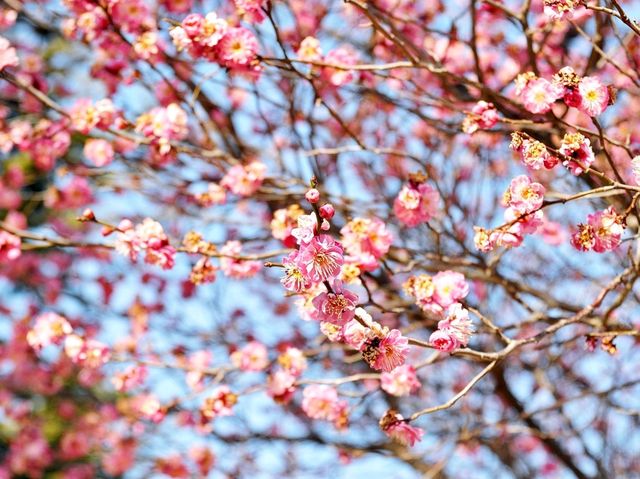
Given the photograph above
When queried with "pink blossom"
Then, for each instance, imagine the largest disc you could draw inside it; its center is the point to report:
(149, 407)
(130, 378)
(402, 381)
(281, 386)
(99, 152)
(535, 154)
(344, 57)
(306, 228)
(560, 9)
(149, 237)
(293, 361)
(443, 340)
(238, 47)
(198, 363)
(8, 57)
(524, 195)
(416, 204)
(219, 403)
(365, 241)
(252, 357)
(387, 351)
(539, 95)
(251, 10)
(457, 323)
(577, 152)
(602, 232)
(310, 50)
(10, 245)
(594, 96)
(398, 429)
(234, 267)
(483, 116)
(293, 279)
(449, 288)
(321, 259)
(86, 352)
(336, 307)
(322, 402)
(244, 180)
(49, 328)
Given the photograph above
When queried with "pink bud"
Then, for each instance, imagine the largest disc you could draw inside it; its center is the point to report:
(87, 215)
(125, 225)
(325, 225)
(327, 211)
(312, 196)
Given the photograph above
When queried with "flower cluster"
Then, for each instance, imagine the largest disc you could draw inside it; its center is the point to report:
(212, 38)
(602, 231)
(416, 203)
(365, 241)
(252, 357)
(281, 382)
(523, 216)
(454, 330)
(560, 9)
(577, 153)
(587, 94)
(244, 180)
(219, 403)
(322, 402)
(163, 125)
(435, 294)
(535, 154)
(149, 237)
(233, 265)
(49, 328)
(483, 116)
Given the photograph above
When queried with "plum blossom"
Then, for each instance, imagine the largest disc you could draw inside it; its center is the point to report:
(540, 94)
(602, 232)
(385, 350)
(219, 403)
(524, 195)
(252, 357)
(149, 237)
(365, 241)
(577, 152)
(232, 266)
(99, 152)
(343, 57)
(398, 428)
(293, 361)
(284, 221)
(251, 10)
(534, 153)
(281, 386)
(483, 116)
(560, 9)
(594, 96)
(310, 50)
(86, 352)
(305, 230)
(416, 204)
(321, 259)
(402, 381)
(8, 57)
(453, 331)
(336, 307)
(237, 48)
(49, 328)
(10, 245)
(322, 402)
(293, 279)
(244, 180)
